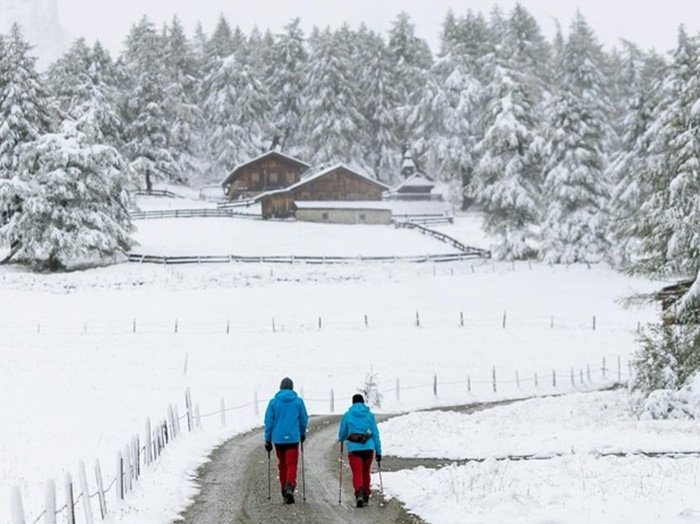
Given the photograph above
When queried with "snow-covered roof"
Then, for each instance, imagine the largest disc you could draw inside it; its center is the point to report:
(274, 152)
(416, 180)
(313, 175)
(343, 204)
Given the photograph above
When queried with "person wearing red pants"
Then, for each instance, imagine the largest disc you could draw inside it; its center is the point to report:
(359, 428)
(286, 421)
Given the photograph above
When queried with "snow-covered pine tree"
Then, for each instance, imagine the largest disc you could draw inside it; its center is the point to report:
(24, 116)
(378, 106)
(74, 202)
(411, 60)
(631, 170)
(182, 74)
(332, 123)
(236, 106)
(576, 190)
(25, 111)
(444, 119)
(82, 82)
(285, 81)
(147, 133)
(507, 177)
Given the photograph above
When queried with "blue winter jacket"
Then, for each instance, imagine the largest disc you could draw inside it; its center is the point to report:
(359, 419)
(285, 418)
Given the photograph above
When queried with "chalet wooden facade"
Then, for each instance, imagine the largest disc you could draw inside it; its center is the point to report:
(335, 184)
(268, 172)
(357, 212)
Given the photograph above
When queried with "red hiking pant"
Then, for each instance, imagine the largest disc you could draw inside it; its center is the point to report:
(288, 456)
(360, 464)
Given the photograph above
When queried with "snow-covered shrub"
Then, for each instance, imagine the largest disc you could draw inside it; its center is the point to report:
(370, 390)
(669, 404)
(668, 358)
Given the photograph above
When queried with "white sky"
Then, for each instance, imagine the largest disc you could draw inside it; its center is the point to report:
(650, 23)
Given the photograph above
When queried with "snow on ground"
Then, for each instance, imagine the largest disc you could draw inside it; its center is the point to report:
(89, 356)
(589, 466)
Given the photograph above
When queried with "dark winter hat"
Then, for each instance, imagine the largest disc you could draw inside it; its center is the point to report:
(286, 383)
(358, 399)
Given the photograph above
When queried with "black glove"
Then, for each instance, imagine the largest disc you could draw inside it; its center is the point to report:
(303, 437)
(268, 446)
(379, 459)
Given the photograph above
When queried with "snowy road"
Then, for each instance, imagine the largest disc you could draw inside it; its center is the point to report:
(235, 486)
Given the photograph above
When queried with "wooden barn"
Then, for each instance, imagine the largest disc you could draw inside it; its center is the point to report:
(268, 172)
(338, 183)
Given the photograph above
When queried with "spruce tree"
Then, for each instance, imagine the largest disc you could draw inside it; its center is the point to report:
(576, 191)
(74, 202)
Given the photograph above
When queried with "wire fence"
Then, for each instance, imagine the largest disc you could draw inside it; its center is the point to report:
(139, 453)
(288, 323)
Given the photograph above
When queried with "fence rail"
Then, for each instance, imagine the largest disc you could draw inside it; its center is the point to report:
(295, 259)
(188, 213)
(156, 192)
(472, 251)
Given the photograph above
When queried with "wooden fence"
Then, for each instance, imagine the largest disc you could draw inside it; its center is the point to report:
(296, 259)
(188, 213)
(474, 252)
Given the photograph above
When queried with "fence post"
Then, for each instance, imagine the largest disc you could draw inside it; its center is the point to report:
(70, 508)
(593, 322)
(332, 401)
(197, 418)
(120, 477)
(461, 318)
(175, 325)
(573, 381)
(435, 385)
(588, 372)
(273, 325)
(554, 378)
(505, 314)
(493, 378)
(148, 456)
(100, 490)
(17, 508)
(517, 379)
(87, 506)
(604, 370)
(417, 319)
(188, 405)
(134, 326)
(223, 413)
(537, 382)
(320, 323)
(398, 389)
(50, 502)
(127, 469)
(256, 408)
(469, 384)
(366, 321)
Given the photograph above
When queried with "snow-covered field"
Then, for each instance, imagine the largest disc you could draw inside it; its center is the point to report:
(89, 356)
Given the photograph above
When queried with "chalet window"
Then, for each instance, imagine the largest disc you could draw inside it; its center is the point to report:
(290, 178)
(363, 217)
(255, 178)
(273, 178)
(321, 196)
(324, 216)
(305, 196)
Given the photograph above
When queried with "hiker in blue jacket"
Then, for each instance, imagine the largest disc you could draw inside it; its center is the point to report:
(359, 428)
(286, 421)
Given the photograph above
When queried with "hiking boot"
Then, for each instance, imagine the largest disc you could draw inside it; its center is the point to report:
(360, 498)
(365, 498)
(289, 493)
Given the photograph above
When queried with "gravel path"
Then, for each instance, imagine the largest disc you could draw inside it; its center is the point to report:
(235, 486)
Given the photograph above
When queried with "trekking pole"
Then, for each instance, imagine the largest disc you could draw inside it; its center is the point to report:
(269, 467)
(340, 474)
(303, 479)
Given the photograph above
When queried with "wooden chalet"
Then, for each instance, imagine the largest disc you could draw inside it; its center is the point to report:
(268, 172)
(337, 183)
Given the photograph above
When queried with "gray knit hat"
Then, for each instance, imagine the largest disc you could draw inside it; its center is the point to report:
(286, 383)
